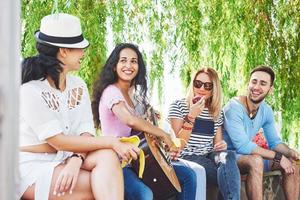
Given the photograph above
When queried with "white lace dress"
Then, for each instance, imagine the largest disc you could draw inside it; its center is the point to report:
(45, 112)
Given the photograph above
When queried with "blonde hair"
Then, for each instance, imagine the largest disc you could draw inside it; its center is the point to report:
(215, 101)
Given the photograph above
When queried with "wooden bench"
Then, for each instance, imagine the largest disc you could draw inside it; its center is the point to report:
(272, 186)
(271, 182)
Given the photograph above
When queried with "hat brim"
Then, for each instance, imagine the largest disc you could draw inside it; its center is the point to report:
(80, 45)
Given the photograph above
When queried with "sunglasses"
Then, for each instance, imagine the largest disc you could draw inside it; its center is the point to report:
(207, 85)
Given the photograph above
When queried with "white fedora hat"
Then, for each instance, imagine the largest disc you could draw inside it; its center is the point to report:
(61, 30)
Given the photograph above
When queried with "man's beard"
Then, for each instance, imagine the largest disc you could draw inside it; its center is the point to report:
(258, 101)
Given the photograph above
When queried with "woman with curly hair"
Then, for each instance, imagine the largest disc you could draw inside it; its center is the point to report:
(119, 102)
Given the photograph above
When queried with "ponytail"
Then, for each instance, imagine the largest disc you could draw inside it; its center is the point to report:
(43, 65)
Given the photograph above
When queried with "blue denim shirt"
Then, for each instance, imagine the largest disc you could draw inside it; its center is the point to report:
(239, 129)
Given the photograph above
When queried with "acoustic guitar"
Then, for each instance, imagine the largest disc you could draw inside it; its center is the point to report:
(159, 173)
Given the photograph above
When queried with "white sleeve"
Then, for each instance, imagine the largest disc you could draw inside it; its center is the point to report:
(36, 113)
(86, 121)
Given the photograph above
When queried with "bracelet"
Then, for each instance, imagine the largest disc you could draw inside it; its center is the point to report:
(277, 158)
(187, 128)
(187, 119)
(78, 156)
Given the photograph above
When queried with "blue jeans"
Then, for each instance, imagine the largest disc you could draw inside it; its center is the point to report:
(135, 189)
(225, 175)
(187, 179)
(201, 178)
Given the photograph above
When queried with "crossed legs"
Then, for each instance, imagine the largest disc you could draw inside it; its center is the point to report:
(100, 178)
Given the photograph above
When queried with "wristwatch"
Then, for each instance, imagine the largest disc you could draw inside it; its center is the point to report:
(78, 156)
(277, 157)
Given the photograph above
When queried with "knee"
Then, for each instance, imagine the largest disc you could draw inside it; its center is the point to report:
(192, 177)
(186, 175)
(147, 193)
(108, 156)
(199, 171)
(103, 156)
(256, 164)
(297, 170)
(107, 153)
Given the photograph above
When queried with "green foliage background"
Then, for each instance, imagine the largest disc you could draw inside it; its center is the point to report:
(231, 36)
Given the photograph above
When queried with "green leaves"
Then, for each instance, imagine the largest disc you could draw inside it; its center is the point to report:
(176, 35)
(93, 16)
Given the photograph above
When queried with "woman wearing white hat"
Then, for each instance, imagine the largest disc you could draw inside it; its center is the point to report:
(59, 157)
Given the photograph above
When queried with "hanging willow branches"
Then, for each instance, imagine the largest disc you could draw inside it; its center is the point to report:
(231, 36)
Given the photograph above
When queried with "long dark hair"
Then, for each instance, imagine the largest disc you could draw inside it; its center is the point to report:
(109, 76)
(42, 65)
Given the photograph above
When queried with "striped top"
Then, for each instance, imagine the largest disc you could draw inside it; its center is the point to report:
(203, 132)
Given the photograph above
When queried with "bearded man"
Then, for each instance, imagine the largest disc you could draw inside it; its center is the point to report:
(244, 117)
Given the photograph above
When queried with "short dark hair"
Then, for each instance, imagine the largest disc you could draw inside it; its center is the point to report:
(267, 69)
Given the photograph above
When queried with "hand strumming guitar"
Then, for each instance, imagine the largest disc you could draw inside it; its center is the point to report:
(166, 138)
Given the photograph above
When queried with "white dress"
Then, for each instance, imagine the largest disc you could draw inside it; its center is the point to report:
(45, 112)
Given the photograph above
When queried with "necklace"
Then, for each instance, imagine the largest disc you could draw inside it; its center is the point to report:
(253, 113)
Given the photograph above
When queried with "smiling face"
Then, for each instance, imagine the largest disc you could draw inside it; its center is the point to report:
(203, 79)
(127, 66)
(259, 86)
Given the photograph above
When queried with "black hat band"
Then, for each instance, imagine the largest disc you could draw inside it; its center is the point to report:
(60, 40)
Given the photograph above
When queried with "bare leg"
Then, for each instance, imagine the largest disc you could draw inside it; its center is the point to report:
(253, 166)
(82, 189)
(290, 183)
(106, 176)
(100, 178)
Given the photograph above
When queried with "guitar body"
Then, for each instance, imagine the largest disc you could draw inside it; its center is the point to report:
(159, 173)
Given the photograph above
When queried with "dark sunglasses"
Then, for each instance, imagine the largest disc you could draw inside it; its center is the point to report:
(207, 85)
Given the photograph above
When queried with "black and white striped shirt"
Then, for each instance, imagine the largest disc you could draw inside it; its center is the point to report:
(203, 132)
